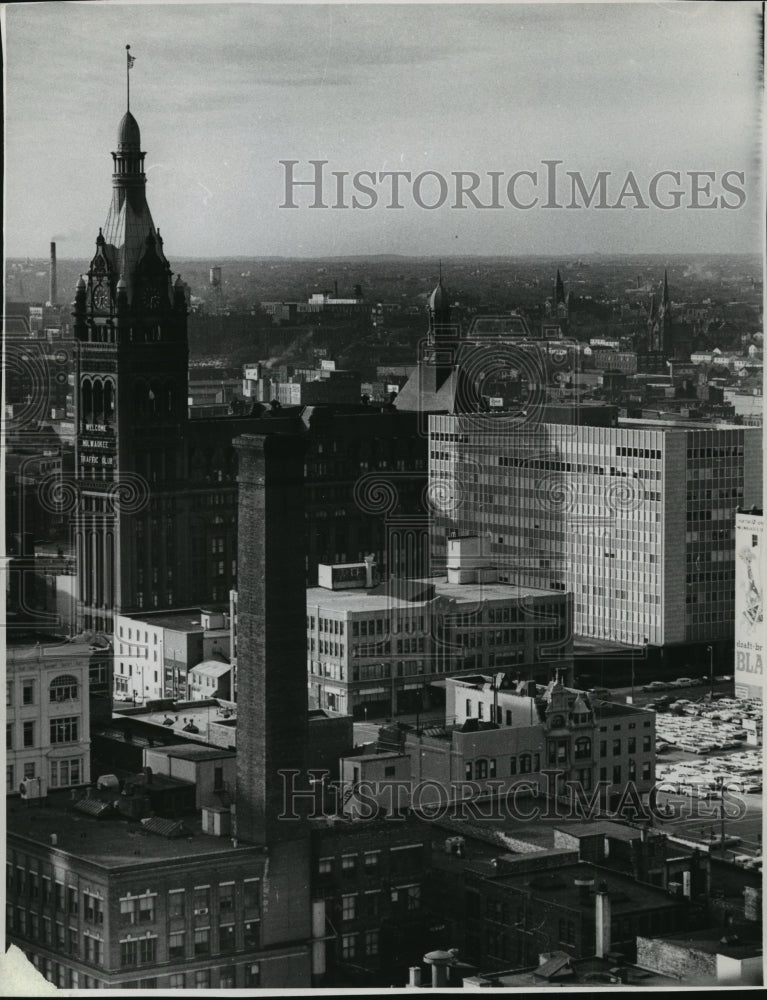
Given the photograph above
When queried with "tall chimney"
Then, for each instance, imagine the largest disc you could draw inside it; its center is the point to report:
(603, 917)
(52, 284)
(272, 704)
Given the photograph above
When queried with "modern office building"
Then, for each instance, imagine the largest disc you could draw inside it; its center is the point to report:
(636, 519)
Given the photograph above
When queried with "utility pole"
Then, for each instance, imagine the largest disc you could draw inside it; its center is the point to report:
(711, 670)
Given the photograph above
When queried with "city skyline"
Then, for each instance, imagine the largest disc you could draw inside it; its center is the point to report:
(674, 88)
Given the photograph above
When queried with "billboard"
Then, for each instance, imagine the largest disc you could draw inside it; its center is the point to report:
(749, 605)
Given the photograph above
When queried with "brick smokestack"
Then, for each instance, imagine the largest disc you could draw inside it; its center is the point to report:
(52, 279)
(272, 699)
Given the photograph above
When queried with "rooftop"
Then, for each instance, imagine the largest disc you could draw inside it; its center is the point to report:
(558, 885)
(575, 972)
(461, 593)
(112, 844)
(27, 651)
(183, 751)
(184, 620)
(741, 942)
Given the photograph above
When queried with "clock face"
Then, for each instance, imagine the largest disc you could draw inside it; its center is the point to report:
(101, 297)
(150, 296)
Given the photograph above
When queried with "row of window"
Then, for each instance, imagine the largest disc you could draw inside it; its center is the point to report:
(62, 730)
(62, 688)
(67, 978)
(61, 773)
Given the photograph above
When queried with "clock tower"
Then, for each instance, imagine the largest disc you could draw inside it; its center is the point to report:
(130, 321)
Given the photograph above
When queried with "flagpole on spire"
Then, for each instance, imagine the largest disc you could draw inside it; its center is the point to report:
(129, 60)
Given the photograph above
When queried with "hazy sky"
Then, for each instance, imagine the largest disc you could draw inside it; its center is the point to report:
(223, 92)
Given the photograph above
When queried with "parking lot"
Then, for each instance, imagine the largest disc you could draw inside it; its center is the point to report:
(694, 801)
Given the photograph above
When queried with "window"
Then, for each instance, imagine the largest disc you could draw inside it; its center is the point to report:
(138, 909)
(252, 934)
(371, 943)
(202, 941)
(28, 692)
(226, 897)
(29, 734)
(29, 771)
(603, 748)
(8, 693)
(226, 938)
(64, 688)
(94, 949)
(201, 979)
(646, 743)
(524, 763)
(492, 767)
(177, 981)
(616, 774)
(481, 768)
(202, 900)
(348, 907)
(65, 772)
(616, 748)
(176, 944)
(632, 744)
(253, 974)
(176, 904)
(372, 859)
(413, 897)
(65, 730)
(93, 908)
(469, 771)
(348, 946)
(9, 739)
(373, 903)
(72, 900)
(58, 895)
(349, 863)
(512, 765)
(226, 978)
(647, 771)
(74, 942)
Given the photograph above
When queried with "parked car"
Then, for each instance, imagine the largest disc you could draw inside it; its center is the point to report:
(600, 692)
(684, 682)
(656, 686)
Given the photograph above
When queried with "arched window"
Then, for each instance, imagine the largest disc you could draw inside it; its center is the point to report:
(524, 763)
(582, 747)
(98, 403)
(109, 402)
(481, 766)
(64, 688)
(86, 398)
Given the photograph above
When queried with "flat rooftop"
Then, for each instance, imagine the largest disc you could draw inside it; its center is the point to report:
(558, 885)
(109, 843)
(461, 593)
(27, 652)
(183, 751)
(184, 620)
